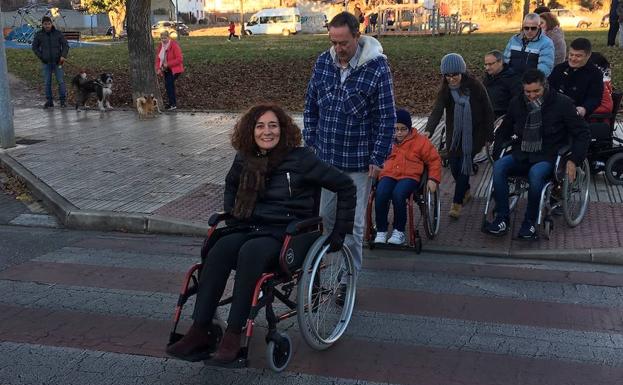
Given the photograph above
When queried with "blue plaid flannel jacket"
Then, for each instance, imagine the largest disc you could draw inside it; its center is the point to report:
(351, 125)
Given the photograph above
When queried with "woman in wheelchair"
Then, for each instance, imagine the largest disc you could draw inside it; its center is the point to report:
(539, 124)
(272, 182)
(401, 176)
(469, 123)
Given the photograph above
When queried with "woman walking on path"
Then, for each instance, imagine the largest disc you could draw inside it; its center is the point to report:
(469, 123)
(170, 64)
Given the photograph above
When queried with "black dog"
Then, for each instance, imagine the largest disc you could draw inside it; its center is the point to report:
(101, 87)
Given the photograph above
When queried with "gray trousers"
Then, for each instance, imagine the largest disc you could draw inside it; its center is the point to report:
(328, 204)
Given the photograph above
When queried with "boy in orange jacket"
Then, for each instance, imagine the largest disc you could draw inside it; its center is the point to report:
(401, 175)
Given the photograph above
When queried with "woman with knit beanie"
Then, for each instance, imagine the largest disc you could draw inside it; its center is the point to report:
(469, 123)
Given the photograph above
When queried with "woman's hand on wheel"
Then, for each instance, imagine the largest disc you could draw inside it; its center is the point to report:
(335, 240)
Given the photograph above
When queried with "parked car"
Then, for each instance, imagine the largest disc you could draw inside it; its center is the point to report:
(468, 27)
(568, 19)
(175, 29)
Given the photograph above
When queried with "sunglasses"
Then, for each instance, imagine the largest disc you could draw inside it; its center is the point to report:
(452, 75)
(530, 28)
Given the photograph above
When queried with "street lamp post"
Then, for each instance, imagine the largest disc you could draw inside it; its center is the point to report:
(7, 132)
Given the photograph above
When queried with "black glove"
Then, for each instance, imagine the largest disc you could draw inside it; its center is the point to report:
(335, 240)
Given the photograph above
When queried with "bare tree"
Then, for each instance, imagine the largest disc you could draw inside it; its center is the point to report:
(141, 52)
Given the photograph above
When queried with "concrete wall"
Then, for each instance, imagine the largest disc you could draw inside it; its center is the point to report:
(69, 20)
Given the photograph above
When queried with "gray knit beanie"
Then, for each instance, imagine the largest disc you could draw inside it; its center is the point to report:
(453, 63)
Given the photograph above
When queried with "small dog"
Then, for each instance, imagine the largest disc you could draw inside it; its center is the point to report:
(101, 87)
(147, 106)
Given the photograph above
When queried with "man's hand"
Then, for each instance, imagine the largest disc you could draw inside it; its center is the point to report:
(571, 170)
(432, 185)
(374, 171)
(581, 111)
(61, 61)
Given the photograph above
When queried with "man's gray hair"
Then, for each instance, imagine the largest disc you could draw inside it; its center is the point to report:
(532, 17)
(497, 54)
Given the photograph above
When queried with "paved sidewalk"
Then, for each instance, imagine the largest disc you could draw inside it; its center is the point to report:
(112, 171)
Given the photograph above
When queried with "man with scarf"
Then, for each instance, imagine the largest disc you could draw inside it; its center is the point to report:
(540, 122)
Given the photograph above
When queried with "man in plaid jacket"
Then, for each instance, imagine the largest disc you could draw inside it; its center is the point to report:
(350, 116)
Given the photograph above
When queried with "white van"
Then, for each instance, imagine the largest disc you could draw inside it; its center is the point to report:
(274, 21)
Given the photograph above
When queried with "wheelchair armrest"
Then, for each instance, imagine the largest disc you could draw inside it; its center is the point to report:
(219, 217)
(564, 150)
(297, 226)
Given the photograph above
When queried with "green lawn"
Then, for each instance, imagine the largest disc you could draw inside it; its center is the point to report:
(233, 75)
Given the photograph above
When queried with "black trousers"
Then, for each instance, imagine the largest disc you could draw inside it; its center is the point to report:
(250, 255)
(612, 31)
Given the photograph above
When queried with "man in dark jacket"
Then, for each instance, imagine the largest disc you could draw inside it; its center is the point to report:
(540, 122)
(578, 78)
(51, 48)
(501, 81)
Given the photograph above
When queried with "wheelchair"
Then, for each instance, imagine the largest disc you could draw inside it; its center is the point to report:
(430, 208)
(558, 193)
(306, 282)
(606, 150)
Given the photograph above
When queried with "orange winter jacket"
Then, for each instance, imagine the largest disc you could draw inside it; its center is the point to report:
(408, 158)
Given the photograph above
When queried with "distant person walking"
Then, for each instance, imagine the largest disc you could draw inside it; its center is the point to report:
(614, 23)
(169, 64)
(350, 115)
(232, 31)
(52, 49)
(530, 48)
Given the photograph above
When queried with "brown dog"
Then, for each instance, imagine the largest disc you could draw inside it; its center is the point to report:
(147, 106)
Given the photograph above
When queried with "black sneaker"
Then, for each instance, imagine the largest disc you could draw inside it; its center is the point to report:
(48, 104)
(499, 226)
(527, 231)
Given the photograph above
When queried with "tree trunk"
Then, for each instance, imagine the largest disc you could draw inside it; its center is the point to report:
(141, 51)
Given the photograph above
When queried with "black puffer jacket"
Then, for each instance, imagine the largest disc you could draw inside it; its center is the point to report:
(561, 125)
(290, 191)
(583, 85)
(50, 46)
(502, 88)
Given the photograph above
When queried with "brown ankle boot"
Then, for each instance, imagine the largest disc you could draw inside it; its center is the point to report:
(194, 346)
(229, 347)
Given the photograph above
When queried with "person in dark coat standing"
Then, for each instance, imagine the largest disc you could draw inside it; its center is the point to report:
(272, 182)
(579, 78)
(469, 123)
(52, 49)
(501, 81)
(542, 121)
(614, 23)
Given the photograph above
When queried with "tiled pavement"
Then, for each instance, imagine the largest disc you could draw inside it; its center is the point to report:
(175, 165)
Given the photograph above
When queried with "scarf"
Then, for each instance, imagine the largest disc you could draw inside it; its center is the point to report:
(532, 140)
(462, 129)
(253, 180)
(163, 53)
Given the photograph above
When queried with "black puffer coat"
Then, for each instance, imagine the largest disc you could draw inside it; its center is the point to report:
(291, 188)
(50, 46)
(561, 125)
(502, 88)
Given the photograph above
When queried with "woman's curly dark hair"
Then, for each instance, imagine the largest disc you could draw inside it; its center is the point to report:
(243, 139)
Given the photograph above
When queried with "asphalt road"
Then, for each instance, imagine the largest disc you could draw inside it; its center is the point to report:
(94, 308)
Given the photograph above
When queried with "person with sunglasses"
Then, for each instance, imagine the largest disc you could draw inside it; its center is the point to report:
(469, 123)
(530, 48)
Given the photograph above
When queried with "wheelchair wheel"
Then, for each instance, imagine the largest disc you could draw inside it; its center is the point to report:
(614, 169)
(279, 352)
(321, 320)
(575, 195)
(431, 211)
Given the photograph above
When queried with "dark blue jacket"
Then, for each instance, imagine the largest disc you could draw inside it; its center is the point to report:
(583, 85)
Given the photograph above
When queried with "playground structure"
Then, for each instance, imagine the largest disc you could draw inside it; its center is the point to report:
(27, 21)
(418, 19)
